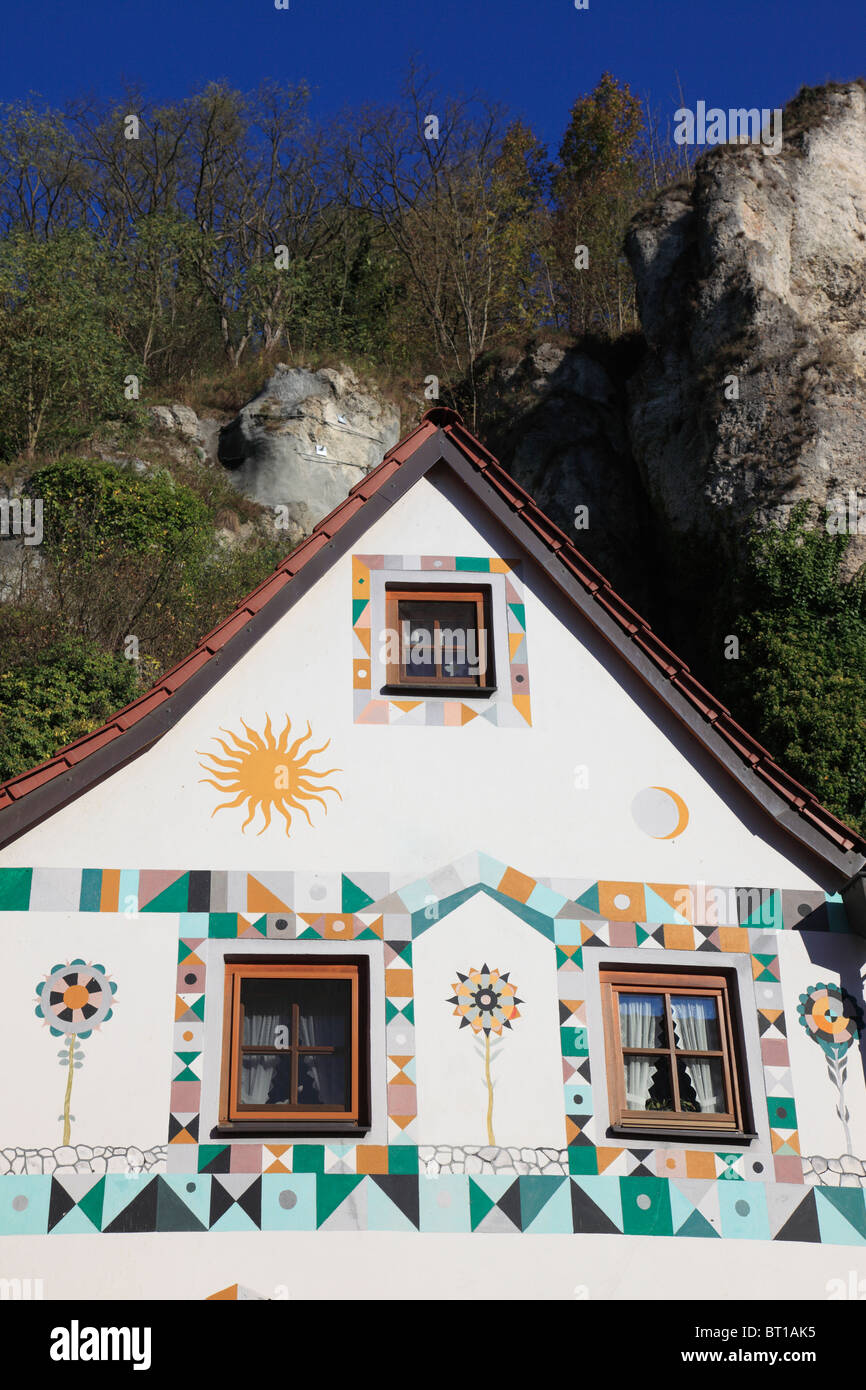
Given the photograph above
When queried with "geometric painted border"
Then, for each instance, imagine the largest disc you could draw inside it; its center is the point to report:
(400, 1200)
(448, 713)
(313, 1186)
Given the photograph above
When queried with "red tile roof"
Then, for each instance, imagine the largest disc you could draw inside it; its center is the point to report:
(631, 625)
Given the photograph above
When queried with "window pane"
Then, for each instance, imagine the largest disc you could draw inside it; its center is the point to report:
(702, 1085)
(642, 1020)
(325, 1012)
(648, 1083)
(265, 1080)
(696, 1023)
(323, 1080)
(267, 1007)
(452, 650)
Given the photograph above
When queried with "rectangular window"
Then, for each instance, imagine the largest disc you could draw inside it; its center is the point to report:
(673, 1052)
(439, 640)
(296, 1044)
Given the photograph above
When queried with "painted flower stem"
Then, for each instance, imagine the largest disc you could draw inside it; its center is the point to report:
(67, 1100)
(487, 1077)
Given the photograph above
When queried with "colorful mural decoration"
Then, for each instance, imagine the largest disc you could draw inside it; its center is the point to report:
(589, 1186)
(487, 1003)
(834, 1020)
(268, 774)
(515, 712)
(75, 999)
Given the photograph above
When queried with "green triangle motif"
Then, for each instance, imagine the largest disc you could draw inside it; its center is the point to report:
(92, 1201)
(535, 1193)
(174, 898)
(207, 1153)
(479, 1204)
(697, 1225)
(333, 1190)
(589, 899)
(354, 899)
(519, 611)
(358, 606)
(640, 935)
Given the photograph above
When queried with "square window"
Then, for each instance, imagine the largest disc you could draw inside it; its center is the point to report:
(439, 640)
(674, 1053)
(296, 1045)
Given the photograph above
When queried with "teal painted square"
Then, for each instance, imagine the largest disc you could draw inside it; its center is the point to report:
(15, 890)
(743, 1210)
(197, 1200)
(382, 1213)
(841, 1215)
(782, 1112)
(195, 924)
(578, 1098)
(32, 1219)
(605, 1192)
(127, 893)
(574, 1042)
(646, 1207)
(121, 1189)
(279, 1211)
(582, 1159)
(472, 562)
(91, 890)
(444, 1204)
(402, 1158)
(837, 919)
(308, 1158)
(567, 932)
(543, 899)
(554, 1215)
(221, 924)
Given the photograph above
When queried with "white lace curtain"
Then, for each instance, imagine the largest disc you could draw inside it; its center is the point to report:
(695, 1025)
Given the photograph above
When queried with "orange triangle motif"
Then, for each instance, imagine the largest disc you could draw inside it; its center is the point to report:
(260, 899)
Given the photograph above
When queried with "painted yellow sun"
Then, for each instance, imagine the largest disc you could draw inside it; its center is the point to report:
(267, 774)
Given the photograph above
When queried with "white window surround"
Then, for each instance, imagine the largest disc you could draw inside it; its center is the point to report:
(215, 953)
(432, 579)
(598, 958)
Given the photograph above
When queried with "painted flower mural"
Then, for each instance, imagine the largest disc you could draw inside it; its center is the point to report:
(268, 774)
(74, 1000)
(834, 1020)
(486, 1002)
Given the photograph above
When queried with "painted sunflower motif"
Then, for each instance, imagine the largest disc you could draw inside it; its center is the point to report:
(485, 1001)
(832, 1018)
(75, 998)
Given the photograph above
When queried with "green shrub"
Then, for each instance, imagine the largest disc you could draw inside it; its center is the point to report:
(69, 689)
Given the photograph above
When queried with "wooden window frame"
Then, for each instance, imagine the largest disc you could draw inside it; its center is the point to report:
(732, 1124)
(397, 680)
(234, 1116)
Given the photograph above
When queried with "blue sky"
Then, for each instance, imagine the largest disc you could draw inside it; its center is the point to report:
(535, 55)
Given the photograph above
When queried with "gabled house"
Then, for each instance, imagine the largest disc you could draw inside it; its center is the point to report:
(430, 894)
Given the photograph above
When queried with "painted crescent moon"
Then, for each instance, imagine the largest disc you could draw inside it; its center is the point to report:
(660, 813)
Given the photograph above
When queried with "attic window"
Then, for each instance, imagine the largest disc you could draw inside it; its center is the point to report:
(439, 640)
(674, 1054)
(296, 1045)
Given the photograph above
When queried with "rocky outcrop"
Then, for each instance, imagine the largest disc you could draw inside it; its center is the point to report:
(556, 419)
(750, 282)
(305, 440)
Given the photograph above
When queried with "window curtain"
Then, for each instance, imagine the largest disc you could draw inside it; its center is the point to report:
(696, 1026)
(262, 1075)
(638, 1016)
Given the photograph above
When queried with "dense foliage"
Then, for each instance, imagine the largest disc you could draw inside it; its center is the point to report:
(800, 683)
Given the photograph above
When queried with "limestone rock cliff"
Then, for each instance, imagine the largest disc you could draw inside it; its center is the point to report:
(750, 282)
(305, 440)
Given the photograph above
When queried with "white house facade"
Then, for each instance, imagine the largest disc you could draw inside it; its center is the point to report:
(430, 900)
